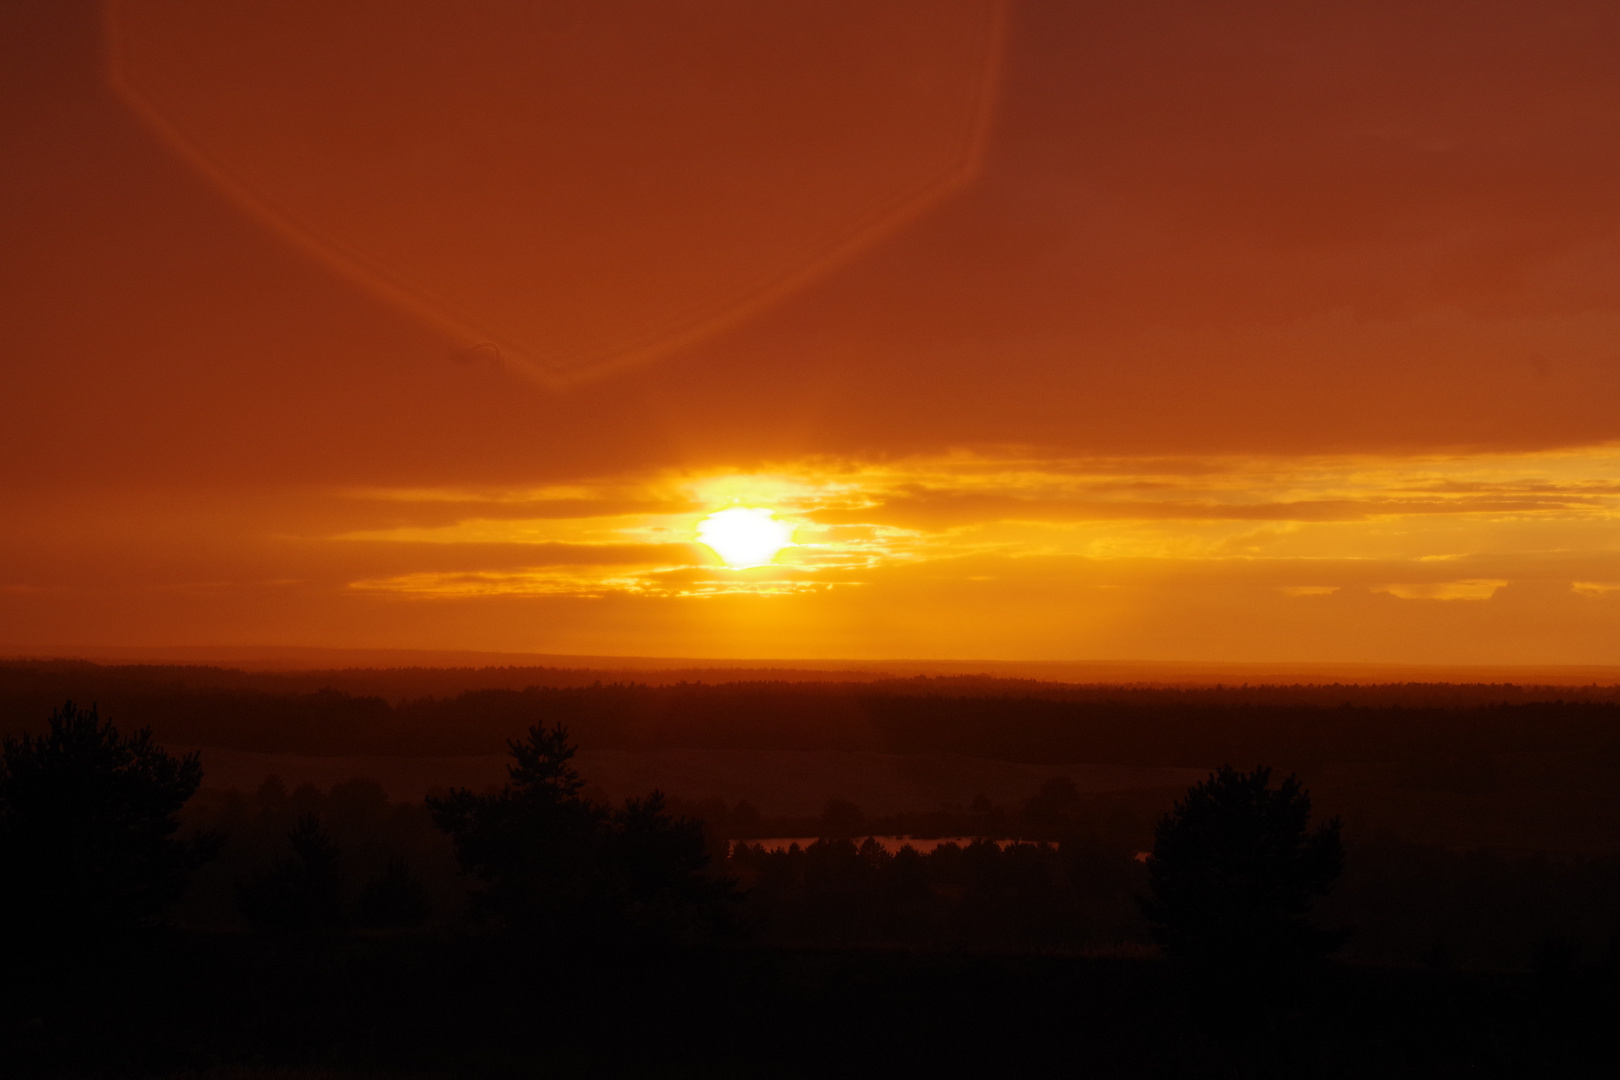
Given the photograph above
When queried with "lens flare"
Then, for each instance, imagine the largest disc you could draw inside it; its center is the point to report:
(745, 536)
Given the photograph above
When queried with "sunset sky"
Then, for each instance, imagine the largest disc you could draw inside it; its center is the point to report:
(1056, 330)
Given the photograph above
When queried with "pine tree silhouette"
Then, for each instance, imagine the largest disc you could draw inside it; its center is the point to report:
(87, 828)
(530, 845)
(1233, 872)
(555, 868)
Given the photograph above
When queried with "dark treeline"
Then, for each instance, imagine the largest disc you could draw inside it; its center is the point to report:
(529, 928)
(1413, 905)
(402, 684)
(363, 840)
(1298, 728)
(1074, 896)
(1057, 811)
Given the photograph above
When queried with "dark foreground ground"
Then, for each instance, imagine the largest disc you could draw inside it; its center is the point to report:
(248, 1006)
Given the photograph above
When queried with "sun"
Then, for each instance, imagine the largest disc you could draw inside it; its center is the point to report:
(745, 536)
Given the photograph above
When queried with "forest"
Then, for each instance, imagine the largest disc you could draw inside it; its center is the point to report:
(1474, 883)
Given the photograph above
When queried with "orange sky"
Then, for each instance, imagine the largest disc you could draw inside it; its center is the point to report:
(1266, 332)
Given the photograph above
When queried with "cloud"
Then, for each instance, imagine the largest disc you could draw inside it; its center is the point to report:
(1417, 528)
(1465, 589)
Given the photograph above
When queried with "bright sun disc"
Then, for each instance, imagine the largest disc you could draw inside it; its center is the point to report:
(745, 536)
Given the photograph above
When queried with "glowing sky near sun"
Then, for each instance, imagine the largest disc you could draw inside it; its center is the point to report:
(1444, 558)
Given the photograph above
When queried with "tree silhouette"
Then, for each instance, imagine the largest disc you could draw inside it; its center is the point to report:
(300, 893)
(530, 844)
(87, 827)
(556, 868)
(661, 892)
(1233, 872)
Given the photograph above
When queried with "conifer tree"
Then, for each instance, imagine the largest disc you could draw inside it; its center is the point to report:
(88, 827)
(1233, 872)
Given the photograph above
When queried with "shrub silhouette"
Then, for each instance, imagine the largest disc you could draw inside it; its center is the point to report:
(87, 827)
(558, 869)
(300, 893)
(1233, 872)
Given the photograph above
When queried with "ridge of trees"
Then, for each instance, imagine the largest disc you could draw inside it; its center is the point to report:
(397, 685)
(1291, 727)
(556, 866)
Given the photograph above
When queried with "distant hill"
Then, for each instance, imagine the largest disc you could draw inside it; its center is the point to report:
(652, 669)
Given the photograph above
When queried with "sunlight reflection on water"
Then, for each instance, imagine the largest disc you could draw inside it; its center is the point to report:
(891, 844)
